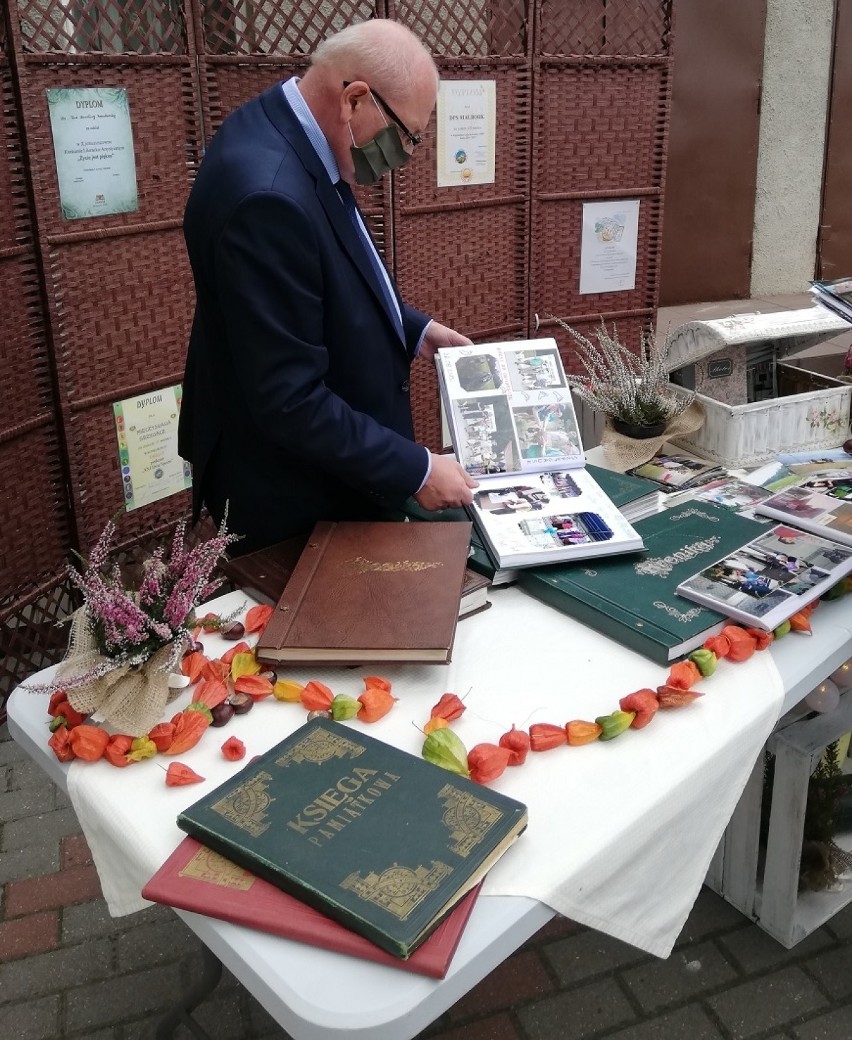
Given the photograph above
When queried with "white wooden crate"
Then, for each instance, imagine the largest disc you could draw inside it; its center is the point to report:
(735, 434)
(781, 909)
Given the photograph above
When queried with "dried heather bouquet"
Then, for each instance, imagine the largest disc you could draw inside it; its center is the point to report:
(126, 627)
(630, 387)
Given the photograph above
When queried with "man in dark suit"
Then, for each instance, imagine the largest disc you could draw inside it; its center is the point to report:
(296, 392)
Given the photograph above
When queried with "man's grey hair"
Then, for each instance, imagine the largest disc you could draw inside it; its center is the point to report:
(381, 52)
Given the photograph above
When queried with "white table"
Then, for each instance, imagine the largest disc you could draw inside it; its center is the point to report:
(304, 988)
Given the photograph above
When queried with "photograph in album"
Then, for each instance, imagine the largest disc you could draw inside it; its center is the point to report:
(771, 578)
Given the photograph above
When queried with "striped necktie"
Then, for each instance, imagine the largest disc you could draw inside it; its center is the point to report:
(348, 199)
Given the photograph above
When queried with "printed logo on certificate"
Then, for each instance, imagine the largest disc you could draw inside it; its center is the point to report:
(466, 121)
(93, 149)
(146, 428)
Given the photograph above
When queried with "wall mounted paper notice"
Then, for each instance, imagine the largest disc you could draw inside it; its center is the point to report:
(93, 148)
(609, 244)
(146, 427)
(467, 121)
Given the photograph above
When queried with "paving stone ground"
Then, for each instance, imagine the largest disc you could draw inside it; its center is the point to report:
(69, 970)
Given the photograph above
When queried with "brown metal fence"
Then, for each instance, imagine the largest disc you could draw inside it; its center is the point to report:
(98, 309)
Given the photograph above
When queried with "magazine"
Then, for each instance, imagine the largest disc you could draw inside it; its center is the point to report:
(513, 426)
(771, 577)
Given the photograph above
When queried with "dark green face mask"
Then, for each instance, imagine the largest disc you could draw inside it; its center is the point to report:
(378, 156)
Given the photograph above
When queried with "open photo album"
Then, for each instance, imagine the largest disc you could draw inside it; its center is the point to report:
(771, 578)
(513, 426)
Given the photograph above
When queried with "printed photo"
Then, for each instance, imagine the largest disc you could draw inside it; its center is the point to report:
(506, 501)
(478, 372)
(733, 494)
(486, 435)
(534, 369)
(566, 529)
(546, 431)
(817, 505)
(672, 470)
(560, 483)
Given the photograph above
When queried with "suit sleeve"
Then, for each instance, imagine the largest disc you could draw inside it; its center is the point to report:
(272, 268)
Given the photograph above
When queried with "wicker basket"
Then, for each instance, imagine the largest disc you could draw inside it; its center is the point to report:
(720, 359)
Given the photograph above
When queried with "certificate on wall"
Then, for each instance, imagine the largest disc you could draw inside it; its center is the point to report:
(146, 428)
(609, 245)
(93, 149)
(467, 121)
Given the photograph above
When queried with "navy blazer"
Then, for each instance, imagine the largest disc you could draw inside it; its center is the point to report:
(296, 393)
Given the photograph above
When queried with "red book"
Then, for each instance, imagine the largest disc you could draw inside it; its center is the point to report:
(196, 878)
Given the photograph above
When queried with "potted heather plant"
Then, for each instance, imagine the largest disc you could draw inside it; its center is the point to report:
(631, 388)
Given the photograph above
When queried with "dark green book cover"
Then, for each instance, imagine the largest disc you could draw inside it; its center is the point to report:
(621, 488)
(380, 840)
(632, 599)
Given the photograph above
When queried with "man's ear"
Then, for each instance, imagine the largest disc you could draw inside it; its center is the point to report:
(355, 94)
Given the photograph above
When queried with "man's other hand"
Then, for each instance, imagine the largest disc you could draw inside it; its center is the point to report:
(448, 485)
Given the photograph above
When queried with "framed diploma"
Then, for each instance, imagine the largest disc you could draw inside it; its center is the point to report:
(466, 118)
(146, 428)
(93, 150)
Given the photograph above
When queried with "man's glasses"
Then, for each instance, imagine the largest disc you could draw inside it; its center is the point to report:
(413, 139)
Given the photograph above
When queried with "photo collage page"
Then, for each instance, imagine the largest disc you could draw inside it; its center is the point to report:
(510, 409)
(547, 512)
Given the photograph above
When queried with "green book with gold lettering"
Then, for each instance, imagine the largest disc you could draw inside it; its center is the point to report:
(633, 600)
(376, 838)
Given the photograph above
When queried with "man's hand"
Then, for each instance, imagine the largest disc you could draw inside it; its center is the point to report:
(438, 335)
(448, 485)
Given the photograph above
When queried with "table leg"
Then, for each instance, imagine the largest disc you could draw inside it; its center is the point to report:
(180, 1014)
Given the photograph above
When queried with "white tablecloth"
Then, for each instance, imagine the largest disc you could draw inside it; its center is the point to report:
(620, 833)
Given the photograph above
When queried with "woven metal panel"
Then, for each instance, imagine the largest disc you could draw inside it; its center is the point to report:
(602, 96)
(605, 27)
(102, 26)
(119, 291)
(478, 28)
(461, 252)
(275, 28)
(33, 514)
(166, 141)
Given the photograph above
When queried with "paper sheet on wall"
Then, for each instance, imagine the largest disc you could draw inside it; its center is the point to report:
(93, 148)
(609, 245)
(466, 120)
(146, 428)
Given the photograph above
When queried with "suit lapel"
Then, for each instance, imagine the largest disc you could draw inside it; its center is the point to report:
(281, 115)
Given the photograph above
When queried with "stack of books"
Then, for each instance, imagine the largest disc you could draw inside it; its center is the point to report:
(753, 569)
(364, 592)
(338, 839)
